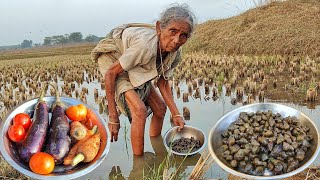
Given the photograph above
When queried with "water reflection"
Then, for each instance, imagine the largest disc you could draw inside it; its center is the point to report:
(116, 173)
(311, 105)
(204, 111)
(148, 164)
(142, 164)
(206, 103)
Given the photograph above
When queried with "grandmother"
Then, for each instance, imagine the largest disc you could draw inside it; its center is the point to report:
(129, 58)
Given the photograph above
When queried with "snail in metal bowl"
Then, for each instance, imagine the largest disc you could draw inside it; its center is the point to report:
(265, 141)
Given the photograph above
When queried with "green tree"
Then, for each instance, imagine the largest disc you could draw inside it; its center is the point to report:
(26, 44)
(92, 38)
(59, 39)
(66, 36)
(47, 41)
(75, 37)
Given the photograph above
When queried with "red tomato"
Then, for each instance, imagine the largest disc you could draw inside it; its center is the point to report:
(23, 120)
(41, 163)
(16, 133)
(77, 113)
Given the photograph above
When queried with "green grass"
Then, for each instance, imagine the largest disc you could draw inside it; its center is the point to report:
(220, 88)
(168, 169)
(313, 83)
(126, 138)
(169, 166)
(304, 86)
(220, 78)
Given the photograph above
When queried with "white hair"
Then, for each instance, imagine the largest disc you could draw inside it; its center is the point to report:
(177, 12)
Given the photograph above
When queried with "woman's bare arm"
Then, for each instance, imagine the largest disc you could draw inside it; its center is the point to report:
(110, 82)
(166, 93)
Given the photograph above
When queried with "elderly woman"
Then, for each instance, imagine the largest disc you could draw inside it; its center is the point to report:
(129, 58)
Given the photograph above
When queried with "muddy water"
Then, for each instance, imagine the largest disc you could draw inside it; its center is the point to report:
(122, 164)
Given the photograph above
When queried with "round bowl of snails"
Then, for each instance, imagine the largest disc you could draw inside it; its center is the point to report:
(264, 141)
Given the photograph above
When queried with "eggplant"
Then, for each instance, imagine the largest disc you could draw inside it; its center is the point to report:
(36, 135)
(58, 144)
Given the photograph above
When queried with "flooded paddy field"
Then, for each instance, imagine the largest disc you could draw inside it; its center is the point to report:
(205, 88)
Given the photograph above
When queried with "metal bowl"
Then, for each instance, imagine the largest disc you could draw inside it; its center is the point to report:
(187, 132)
(10, 154)
(215, 139)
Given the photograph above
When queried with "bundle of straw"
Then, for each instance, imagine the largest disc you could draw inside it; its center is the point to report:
(311, 173)
(202, 166)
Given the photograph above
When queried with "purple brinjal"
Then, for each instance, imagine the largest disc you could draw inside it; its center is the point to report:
(36, 135)
(58, 143)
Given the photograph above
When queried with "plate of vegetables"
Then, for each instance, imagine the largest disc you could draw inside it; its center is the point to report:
(54, 137)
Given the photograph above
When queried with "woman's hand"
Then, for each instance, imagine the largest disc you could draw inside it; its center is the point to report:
(178, 121)
(114, 126)
(110, 83)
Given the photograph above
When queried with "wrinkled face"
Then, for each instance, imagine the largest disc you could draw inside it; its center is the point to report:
(173, 36)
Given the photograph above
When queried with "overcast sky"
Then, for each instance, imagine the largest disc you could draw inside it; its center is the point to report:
(36, 19)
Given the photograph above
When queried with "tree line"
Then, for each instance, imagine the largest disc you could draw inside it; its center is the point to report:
(75, 37)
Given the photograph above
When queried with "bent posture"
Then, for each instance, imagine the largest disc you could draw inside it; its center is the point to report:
(129, 58)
